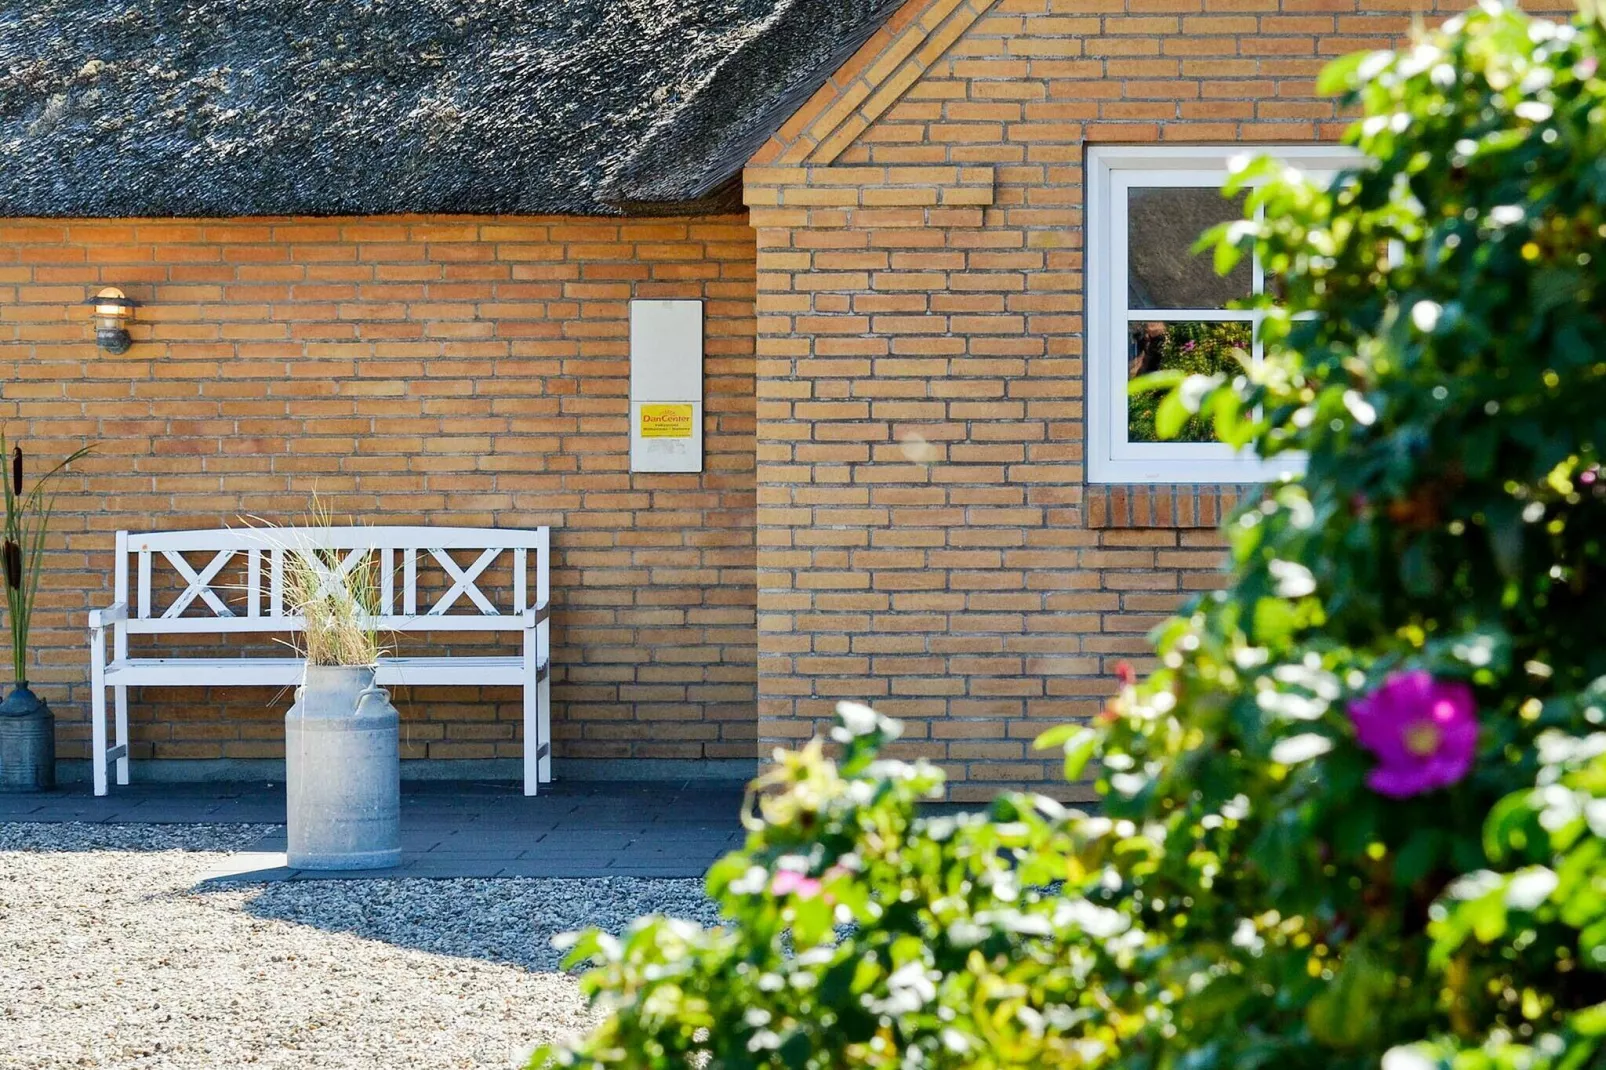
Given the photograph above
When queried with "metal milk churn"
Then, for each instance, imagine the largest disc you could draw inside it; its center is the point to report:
(342, 772)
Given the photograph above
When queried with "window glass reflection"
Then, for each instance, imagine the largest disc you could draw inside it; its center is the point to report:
(1163, 222)
(1195, 347)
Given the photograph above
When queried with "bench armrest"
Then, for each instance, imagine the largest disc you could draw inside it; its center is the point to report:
(100, 618)
(535, 616)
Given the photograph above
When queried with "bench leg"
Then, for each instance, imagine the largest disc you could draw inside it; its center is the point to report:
(121, 693)
(532, 716)
(543, 653)
(544, 771)
(97, 710)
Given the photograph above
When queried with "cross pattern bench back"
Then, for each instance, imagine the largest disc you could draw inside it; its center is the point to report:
(210, 602)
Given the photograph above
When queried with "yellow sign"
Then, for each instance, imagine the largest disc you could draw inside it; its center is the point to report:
(666, 421)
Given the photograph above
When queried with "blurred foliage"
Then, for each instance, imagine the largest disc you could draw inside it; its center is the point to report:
(1243, 900)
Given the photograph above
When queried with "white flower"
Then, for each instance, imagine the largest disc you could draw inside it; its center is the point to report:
(1300, 748)
(755, 880)
(908, 990)
(1194, 388)
(1098, 922)
(1245, 936)
(1425, 314)
(1249, 657)
(1293, 579)
(1289, 706)
(1406, 1059)
(1360, 408)
(1536, 79)
(1530, 887)
(857, 718)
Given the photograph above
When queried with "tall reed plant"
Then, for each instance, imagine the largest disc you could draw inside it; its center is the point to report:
(22, 548)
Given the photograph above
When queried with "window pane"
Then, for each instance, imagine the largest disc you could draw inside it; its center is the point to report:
(1198, 348)
(1162, 272)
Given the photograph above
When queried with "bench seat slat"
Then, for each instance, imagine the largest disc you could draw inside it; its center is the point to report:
(287, 672)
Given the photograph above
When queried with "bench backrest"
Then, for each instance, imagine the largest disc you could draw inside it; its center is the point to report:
(240, 587)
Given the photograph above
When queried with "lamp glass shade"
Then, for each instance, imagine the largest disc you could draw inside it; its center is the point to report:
(111, 303)
(112, 309)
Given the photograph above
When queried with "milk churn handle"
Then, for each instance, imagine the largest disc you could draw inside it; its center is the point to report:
(369, 692)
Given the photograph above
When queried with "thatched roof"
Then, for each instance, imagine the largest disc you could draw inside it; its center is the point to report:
(268, 107)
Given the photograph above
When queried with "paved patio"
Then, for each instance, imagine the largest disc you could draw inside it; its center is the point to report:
(450, 829)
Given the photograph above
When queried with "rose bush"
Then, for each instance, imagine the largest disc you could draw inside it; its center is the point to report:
(1357, 816)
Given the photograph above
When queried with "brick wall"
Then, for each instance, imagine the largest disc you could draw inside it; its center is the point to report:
(924, 536)
(412, 370)
(926, 540)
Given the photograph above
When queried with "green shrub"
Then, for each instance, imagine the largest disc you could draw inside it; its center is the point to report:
(1358, 815)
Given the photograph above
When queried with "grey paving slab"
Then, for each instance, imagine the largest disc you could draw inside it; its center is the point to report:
(470, 855)
(662, 872)
(448, 869)
(450, 829)
(569, 869)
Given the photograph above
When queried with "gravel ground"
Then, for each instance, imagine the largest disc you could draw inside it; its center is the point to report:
(112, 956)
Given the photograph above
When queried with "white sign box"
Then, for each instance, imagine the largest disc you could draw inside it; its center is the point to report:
(666, 386)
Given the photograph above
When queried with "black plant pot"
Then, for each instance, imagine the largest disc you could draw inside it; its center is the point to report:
(27, 743)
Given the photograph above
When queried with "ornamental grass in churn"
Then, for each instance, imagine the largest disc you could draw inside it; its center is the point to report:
(342, 735)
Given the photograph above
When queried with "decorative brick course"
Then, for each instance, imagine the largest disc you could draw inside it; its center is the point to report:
(1184, 505)
(463, 371)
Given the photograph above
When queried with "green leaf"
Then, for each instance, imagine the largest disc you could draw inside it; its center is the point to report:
(1345, 1015)
(1487, 915)
(1171, 415)
(1168, 379)
(1057, 736)
(1079, 743)
(1417, 573)
(1590, 1022)
(1339, 75)
(1227, 419)
(1417, 858)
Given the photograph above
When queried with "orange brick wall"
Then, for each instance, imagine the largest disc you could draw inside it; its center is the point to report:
(926, 540)
(412, 370)
(905, 507)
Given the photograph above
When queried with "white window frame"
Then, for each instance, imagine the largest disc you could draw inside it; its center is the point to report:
(1111, 171)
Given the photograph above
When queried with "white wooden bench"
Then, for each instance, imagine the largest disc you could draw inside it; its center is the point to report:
(209, 601)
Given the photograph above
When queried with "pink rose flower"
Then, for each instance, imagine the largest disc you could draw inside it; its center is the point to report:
(791, 882)
(1424, 732)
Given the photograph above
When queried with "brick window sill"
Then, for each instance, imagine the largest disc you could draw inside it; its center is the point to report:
(1174, 506)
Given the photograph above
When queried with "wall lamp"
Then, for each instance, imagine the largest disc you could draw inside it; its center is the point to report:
(113, 310)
